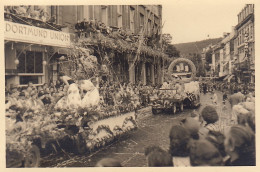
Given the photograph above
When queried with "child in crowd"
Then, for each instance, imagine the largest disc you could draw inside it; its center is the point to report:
(210, 118)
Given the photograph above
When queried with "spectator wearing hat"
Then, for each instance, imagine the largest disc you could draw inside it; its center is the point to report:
(157, 157)
(204, 153)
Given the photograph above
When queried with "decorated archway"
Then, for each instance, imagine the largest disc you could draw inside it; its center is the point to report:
(182, 68)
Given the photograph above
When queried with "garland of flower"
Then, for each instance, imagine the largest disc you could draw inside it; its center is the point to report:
(120, 46)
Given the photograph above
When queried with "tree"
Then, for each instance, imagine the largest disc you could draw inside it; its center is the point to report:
(168, 47)
(171, 51)
(197, 60)
(166, 38)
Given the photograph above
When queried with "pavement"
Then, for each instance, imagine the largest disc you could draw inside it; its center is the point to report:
(129, 149)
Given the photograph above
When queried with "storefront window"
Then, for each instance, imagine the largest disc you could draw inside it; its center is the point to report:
(30, 62)
(30, 68)
(25, 79)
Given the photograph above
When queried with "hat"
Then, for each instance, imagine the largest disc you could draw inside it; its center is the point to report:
(209, 114)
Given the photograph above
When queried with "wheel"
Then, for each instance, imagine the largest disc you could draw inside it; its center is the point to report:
(174, 109)
(33, 159)
(181, 106)
(80, 144)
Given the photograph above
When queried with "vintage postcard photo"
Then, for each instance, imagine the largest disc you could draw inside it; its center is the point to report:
(129, 85)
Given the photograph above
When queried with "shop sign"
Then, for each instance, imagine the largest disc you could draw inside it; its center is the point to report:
(31, 34)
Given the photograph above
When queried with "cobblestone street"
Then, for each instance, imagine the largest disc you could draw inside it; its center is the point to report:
(129, 149)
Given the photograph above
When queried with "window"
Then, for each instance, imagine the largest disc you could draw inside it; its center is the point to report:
(252, 31)
(119, 16)
(30, 66)
(30, 62)
(104, 14)
(149, 29)
(141, 20)
(132, 13)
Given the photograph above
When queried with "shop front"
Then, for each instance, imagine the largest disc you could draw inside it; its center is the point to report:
(29, 51)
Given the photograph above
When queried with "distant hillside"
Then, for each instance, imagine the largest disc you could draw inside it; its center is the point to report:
(195, 47)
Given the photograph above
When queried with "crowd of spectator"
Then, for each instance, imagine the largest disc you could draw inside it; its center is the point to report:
(198, 141)
(229, 87)
(47, 95)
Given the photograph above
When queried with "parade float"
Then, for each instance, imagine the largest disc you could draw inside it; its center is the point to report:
(77, 126)
(180, 89)
(77, 122)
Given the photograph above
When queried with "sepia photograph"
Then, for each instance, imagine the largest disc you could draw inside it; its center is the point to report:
(129, 85)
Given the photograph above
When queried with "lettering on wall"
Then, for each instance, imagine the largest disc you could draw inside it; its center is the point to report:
(31, 34)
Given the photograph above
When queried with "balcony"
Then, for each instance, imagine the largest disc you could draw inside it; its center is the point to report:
(38, 21)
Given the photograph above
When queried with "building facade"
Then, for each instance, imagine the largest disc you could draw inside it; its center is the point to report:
(37, 36)
(133, 20)
(31, 43)
(235, 54)
(245, 44)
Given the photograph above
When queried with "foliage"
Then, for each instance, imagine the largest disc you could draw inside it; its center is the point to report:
(195, 47)
(20, 134)
(197, 60)
(166, 38)
(114, 43)
(79, 63)
(171, 51)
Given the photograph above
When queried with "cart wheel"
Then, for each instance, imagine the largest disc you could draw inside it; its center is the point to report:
(154, 111)
(174, 109)
(181, 107)
(80, 144)
(33, 159)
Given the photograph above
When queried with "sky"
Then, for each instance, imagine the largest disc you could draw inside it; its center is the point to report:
(189, 21)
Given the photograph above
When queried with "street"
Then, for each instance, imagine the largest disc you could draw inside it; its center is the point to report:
(88, 82)
(129, 149)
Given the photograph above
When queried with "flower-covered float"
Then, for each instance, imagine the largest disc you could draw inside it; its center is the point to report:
(77, 123)
(180, 90)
